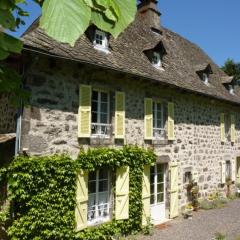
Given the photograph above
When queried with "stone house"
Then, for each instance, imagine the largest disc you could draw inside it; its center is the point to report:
(149, 87)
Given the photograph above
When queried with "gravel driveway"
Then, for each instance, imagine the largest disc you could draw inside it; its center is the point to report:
(203, 226)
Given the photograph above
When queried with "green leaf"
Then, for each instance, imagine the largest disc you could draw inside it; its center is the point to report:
(3, 54)
(99, 19)
(7, 19)
(89, 3)
(127, 10)
(10, 44)
(65, 20)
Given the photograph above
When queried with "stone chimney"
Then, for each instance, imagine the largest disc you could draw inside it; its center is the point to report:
(147, 9)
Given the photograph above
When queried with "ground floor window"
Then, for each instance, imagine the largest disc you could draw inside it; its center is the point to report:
(228, 171)
(99, 196)
(157, 182)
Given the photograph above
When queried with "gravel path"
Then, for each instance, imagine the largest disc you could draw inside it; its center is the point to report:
(203, 226)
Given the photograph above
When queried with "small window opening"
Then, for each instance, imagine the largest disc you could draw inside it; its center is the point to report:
(100, 40)
(156, 60)
(205, 78)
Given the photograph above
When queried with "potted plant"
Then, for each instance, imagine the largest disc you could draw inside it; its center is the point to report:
(188, 211)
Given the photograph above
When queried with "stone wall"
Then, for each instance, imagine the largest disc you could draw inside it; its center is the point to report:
(7, 115)
(50, 124)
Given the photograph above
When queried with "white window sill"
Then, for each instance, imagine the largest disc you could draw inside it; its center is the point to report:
(102, 49)
(159, 67)
(100, 136)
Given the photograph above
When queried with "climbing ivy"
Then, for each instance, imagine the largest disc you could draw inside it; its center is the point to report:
(43, 192)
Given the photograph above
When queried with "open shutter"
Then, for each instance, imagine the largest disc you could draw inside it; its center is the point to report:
(222, 126)
(170, 129)
(146, 194)
(148, 119)
(84, 113)
(122, 193)
(173, 167)
(81, 200)
(233, 132)
(233, 169)
(223, 169)
(120, 115)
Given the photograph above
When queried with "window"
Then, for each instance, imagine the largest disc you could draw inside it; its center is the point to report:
(100, 40)
(157, 184)
(159, 120)
(98, 196)
(156, 60)
(231, 89)
(228, 170)
(227, 126)
(100, 114)
(187, 177)
(205, 78)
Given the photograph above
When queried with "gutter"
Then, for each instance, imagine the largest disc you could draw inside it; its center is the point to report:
(126, 72)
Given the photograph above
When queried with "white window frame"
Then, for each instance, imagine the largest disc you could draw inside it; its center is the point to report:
(98, 219)
(98, 124)
(156, 182)
(155, 118)
(104, 45)
(157, 55)
(231, 89)
(205, 78)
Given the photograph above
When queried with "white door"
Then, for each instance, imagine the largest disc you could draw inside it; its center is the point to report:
(158, 195)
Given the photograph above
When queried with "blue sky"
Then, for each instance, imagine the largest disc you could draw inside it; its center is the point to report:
(212, 24)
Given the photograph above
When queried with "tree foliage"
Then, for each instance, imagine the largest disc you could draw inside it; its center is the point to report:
(232, 68)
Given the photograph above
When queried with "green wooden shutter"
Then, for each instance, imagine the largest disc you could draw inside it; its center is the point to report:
(84, 113)
(122, 193)
(146, 195)
(170, 128)
(120, 115)
(148, 119)
(222, 127)
(81, 200)
(173, 167)
(233, 132)
(223, 172)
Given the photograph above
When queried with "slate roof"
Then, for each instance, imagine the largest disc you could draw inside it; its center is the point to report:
(181, 62)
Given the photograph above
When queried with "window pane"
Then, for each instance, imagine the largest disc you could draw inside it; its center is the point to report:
(160, 197)
(160, 187)
(160, 168)
(94, 117)
(104, 107)
(152, 199)
(94, 95)
(152, 188)
(104, 97)
(103, 186)
(104, 118)
(103, 174)
(91, 187)
(160, 177)
(152, 170)
(94, 106)
(152, 178)
(92, 176)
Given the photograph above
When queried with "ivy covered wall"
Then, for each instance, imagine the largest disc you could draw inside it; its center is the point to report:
(43, 190)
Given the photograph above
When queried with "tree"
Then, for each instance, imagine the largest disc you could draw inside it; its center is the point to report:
(65, 21)
(232, 68)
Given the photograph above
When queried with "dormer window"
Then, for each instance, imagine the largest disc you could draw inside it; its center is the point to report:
(100, 40)
(231, 89)
(205, 78)
(156, 61)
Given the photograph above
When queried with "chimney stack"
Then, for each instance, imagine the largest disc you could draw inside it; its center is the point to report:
(149, 12)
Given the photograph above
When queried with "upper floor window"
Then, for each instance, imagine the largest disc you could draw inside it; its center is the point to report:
(156, 60)
(205, 78)
(98, 196)
(100, 113)
(159, 120)
(100, 40)
(227, 125)
(231, 89)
